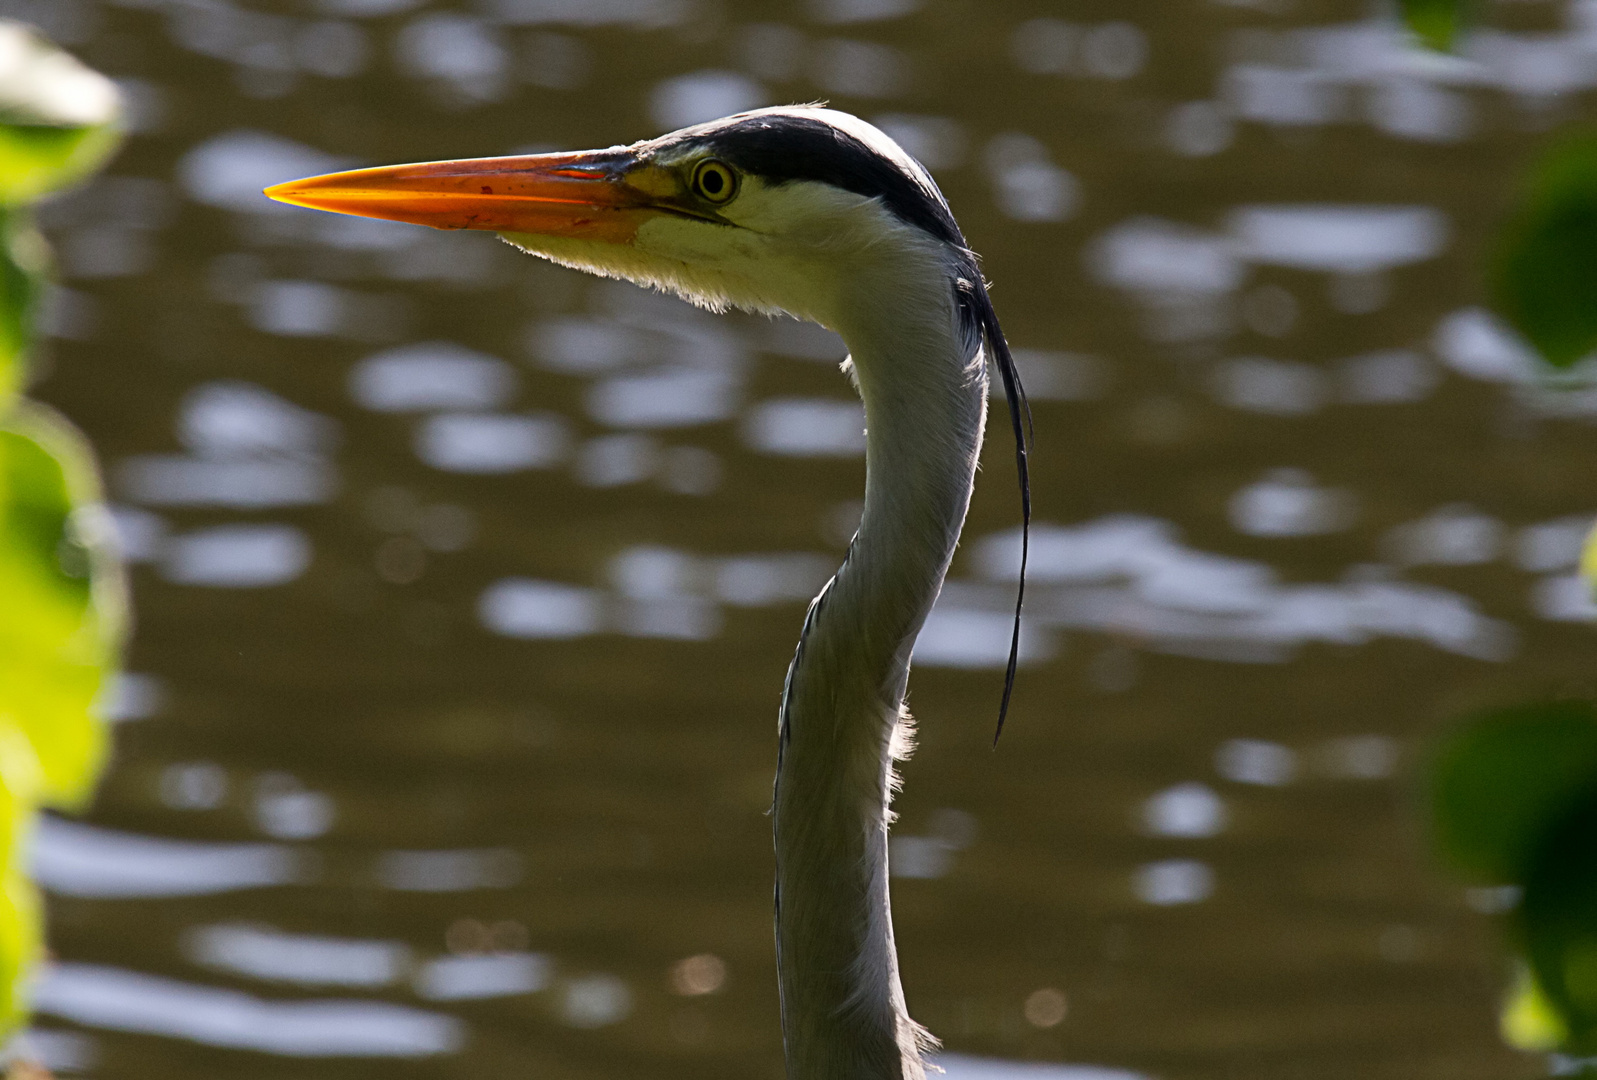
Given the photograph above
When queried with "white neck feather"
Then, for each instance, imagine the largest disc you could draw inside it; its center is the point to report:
(843, 722)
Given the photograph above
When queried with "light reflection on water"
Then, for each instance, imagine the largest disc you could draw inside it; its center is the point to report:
(466, 585)
(263, 953)
(71, 859)
(491, 443)
(960, 1067)
(431, 375)
(236, 556)
(460, 978)
(104, 997)
(67, 1052)
(1223, 607)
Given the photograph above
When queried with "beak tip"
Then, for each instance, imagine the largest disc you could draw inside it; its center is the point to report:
(291, 193)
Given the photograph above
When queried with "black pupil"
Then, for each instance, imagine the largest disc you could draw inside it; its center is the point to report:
(712, 181)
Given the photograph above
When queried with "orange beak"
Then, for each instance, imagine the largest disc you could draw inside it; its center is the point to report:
(578, 195)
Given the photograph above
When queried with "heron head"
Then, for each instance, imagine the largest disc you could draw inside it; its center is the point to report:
(790, 209)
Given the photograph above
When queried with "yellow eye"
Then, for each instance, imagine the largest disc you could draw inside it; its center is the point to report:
(714, 181)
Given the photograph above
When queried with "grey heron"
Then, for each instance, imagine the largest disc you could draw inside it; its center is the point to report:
(816, 214)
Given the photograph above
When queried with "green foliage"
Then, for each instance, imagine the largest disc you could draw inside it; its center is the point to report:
(24, 261)
(58, 119)
(1499, 784)
(58, 124)
(1514, 801)
(61, 594)
(64, 601)
(1558, 922)
(1544, 280)
(1437, 23)
(62, 606)
(21, 944)
(1529, 1020)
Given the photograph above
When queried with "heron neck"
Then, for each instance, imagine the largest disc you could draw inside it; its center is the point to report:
(843, 722)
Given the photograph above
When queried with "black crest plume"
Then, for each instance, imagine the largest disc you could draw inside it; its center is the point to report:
(977, 309)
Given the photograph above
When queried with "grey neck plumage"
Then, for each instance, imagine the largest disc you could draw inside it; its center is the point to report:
(923, 380)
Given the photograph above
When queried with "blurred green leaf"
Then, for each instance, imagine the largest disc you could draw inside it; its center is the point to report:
(1588, 560)
(1544, 279)
(1529, 1021)
(21, 945)
(21, 926)
(24, 260)
(62, 595)
(1505, 778)
(58, 118)
(1437, 23)
(1558, 920)
(58, 123)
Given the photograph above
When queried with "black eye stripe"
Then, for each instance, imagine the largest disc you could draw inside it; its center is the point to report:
(779, 147)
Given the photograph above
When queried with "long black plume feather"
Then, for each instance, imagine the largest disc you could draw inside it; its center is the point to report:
(1020, 420)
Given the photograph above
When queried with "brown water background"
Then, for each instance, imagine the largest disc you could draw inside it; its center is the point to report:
(1318, 508)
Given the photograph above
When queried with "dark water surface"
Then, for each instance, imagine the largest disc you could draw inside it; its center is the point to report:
(465, 584)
